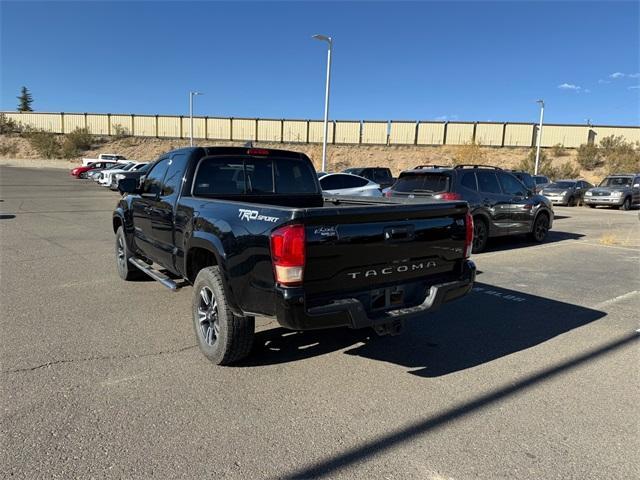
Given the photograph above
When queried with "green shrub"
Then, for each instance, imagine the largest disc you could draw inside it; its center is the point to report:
(119, 131)
(8, 125)
(469, 154)
(619, 155)
(76, 142)
(528, 164)
(566, 170)
(45, 143)
(558, 150)
(589, 156)
(8, 149)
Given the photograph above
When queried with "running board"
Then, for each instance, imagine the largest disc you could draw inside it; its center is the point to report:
(153, 273)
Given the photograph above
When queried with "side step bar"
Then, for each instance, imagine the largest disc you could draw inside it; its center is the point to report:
(153, 273)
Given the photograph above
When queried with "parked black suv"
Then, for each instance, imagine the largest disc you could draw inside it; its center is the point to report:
(499, 202)
(380, 175)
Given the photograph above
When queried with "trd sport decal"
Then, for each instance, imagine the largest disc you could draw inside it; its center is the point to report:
(250, 215)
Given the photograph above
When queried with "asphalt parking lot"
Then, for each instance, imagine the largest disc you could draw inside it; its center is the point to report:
(533, 375)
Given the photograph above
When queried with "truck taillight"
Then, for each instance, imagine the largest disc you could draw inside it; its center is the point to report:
(468, 238)
(288, 254)
(448, 196)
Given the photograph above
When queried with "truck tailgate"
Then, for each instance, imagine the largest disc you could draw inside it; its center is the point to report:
(356, 248)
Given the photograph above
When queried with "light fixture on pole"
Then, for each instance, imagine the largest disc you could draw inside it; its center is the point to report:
(329, 41)
(539, 136)
(191, 95)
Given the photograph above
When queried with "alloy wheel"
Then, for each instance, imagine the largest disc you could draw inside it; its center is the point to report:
(208, 316)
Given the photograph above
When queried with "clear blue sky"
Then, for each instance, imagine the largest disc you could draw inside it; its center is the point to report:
(417, 60)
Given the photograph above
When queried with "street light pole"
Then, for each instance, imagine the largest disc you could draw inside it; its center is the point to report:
(326, 99)
(539, 136)
(191, 95)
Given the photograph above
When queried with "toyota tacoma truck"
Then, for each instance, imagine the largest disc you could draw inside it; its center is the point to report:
(250, 229)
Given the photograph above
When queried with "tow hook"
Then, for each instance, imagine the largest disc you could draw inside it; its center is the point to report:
(394, 327)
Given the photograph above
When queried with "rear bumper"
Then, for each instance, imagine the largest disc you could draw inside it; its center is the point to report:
(291, 311)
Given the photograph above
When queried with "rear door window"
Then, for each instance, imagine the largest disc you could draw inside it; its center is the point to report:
(428, 182)
(349, 181)
(331, 182)
(488, 182)
(511, 185)
(469, 181)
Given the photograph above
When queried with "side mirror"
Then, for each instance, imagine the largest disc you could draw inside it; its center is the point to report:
(128, 185)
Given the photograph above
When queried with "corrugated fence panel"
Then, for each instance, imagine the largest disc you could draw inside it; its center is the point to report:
(269, 130)
(316, 132)
(244, 129)
(124, 121)
(73, 121)
(49, 122)
(169, 127)
(374, 133)
(294, 131)
(198, 127)
(219, 128)
(144, 126)
(402, 133)
(518, 135)
(566, 135)
(630, 134)
(347, 132)
(97, 124)
(489, 133)
(430, 133)
(459, 133)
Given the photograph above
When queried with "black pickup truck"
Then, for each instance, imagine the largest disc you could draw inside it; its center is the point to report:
(251, 231)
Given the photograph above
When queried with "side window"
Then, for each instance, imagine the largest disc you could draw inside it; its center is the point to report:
(353, 182)
(381, 175)
(153, 180)
(511, 185)
(488, 182)
(469, 181)
(173, 179)
(331, 182)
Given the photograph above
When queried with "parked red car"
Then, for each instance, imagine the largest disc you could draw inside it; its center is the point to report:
(81, 172)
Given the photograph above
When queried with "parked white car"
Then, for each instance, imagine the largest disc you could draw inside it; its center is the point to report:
(95, 174)
(108, 157)
(348, 184)
(107, 175)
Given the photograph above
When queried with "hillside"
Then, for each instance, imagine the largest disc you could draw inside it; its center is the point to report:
(398, 158)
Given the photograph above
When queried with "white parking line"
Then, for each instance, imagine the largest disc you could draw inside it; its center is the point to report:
(616, 299)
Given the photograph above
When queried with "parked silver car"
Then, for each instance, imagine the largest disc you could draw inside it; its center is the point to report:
(566, 192)
(620, 190)
(347, 184)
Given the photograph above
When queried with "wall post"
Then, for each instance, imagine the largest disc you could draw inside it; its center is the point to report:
(415, 136)
(504, 133)
(109, 124)
(444, 133)
(62, 121)
(156, 126)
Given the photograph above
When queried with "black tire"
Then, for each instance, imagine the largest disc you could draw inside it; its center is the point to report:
(540, 228)
(626, 205)
(592, 206)
(480, 234)
(83, 175)
(224, 338)
(571, 202)
(126, 271)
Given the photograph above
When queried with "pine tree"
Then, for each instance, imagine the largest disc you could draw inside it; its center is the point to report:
(25, 100)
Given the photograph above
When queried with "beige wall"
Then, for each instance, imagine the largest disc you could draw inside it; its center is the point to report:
(489, 134)
(303, 131)
(402, 133)
(374, 133)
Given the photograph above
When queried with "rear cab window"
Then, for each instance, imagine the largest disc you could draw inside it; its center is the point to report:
(246, 175)
(423, 182)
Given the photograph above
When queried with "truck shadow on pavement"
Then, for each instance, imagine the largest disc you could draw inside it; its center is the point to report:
(488, 324)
